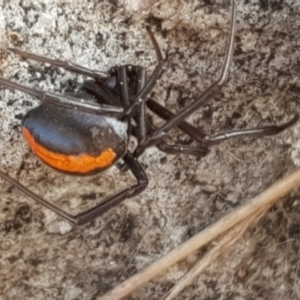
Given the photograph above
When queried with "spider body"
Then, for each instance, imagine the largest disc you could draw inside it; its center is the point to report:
(75, 135)
(75, 142)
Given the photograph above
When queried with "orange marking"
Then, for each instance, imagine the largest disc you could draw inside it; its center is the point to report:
(82, 163)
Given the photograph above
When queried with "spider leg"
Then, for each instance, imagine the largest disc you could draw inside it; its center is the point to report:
(66, 101)
(164, 113)
(90, 214)
(182, 149)
(97, 75)
(252, 132)
(69, 66)
(122, 81)
(141, 119)
(101, 92)
(142, 182)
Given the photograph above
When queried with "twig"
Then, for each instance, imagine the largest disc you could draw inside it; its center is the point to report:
(225, 242)
(266, 198)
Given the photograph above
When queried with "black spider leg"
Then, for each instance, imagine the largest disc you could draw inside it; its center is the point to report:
(196, 133)
(217, 138)
(251, 132)
(100, 91)
(66, 101)
(99, 209)
(100, 77)
(69, 66)
(141, 119)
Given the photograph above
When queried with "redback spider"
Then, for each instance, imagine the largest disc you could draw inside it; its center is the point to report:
(75, 134)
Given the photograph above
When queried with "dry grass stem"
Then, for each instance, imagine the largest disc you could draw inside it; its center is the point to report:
(224, 242)
(247, 213)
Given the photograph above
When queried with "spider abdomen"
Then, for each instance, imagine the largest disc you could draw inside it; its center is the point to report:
(72, 141)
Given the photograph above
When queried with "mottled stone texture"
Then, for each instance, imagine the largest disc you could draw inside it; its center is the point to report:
(42, 257)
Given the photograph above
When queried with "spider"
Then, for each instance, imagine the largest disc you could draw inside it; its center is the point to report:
(74, 134)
